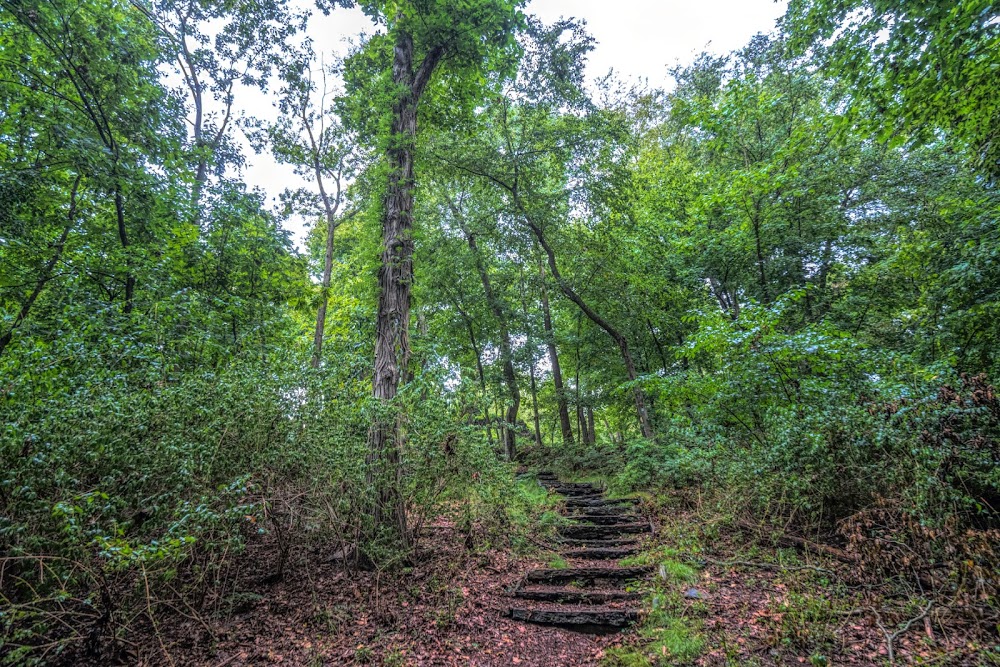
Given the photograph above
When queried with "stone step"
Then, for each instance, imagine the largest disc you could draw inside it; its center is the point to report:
(588, 486)
(599, 502)
(597, 621)
(582, 532)
(574, 492)
(601, 554)
(590, 510)
(605, 519)
(606, 543)
(586, 574)
(574, 596)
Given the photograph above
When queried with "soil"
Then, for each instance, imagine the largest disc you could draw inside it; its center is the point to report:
(450, 609)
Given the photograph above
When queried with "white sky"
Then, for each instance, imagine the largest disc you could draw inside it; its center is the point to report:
(638, 39)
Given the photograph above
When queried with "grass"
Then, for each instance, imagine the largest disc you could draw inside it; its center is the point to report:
(531, 508)
(557, 562)
(677, 572)
(653, 555)
(530, 500)
(666, 638)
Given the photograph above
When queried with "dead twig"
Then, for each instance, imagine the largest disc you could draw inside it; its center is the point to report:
(890, 637)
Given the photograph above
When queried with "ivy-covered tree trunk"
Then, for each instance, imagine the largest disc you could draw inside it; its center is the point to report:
(395, 280)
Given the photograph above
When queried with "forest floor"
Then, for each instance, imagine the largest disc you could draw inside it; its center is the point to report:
(445, 610)
(725, 597)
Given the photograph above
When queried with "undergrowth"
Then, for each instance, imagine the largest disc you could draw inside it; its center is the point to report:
(667, 635)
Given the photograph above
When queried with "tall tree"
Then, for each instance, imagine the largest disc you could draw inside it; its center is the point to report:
(500, 313)
(310, 138)
(218, 47)
(468, 39)
(92, 72)
(562, 404)
(531, 161)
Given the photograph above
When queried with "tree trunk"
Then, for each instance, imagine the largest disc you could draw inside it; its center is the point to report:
(479, 367)
(590, 426)
(531, 361)
(580, 427)
(534, 403)
(506, 352)
(581, 413)
(395, 278)
(325, 292)
(550, 342)
(331, 205)
(123, 238)
(330, 209)
(755, 222)
(658, 345)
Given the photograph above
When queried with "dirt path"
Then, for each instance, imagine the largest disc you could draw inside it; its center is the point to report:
(454, 607)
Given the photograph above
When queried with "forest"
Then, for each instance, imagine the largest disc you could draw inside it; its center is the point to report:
(729, 342)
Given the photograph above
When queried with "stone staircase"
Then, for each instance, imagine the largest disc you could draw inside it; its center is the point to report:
(591, 594)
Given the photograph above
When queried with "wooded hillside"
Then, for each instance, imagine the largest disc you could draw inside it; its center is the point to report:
(766, 298)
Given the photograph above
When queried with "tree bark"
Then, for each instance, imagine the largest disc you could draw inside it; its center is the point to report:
(550, 343)
(395, 279)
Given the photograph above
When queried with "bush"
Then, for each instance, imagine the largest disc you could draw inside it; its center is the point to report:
(123, 473)
(810, 427)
